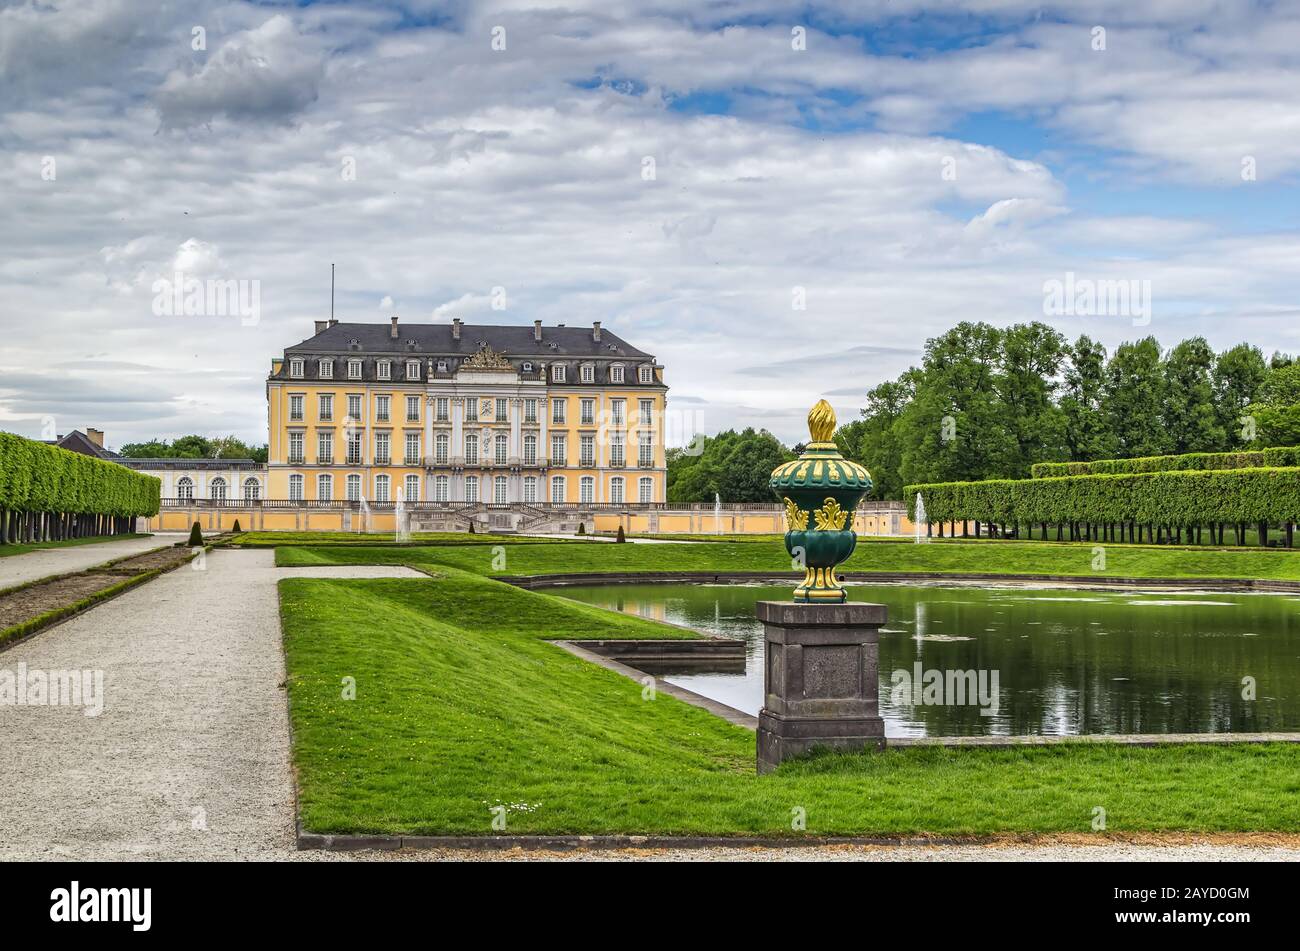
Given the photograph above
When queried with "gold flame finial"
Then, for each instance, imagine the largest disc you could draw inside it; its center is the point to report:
(821, 422)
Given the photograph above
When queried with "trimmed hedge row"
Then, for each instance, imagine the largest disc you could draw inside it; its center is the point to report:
(47, 492)
(1180, 499)
(1283, 457)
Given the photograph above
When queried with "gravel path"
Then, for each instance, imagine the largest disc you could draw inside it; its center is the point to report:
(189, 758)
(16, 569)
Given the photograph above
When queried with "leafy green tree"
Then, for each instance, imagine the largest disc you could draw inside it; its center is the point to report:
(875, 440)
(1238, 375)
(1087, 430)
(1191, 415)
(1026, 388)
(1135, 399)
(733, 466)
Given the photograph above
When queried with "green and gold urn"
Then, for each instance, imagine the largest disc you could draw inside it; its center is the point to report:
(820, 490)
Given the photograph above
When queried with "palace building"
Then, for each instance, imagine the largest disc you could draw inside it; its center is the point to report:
(463, 413)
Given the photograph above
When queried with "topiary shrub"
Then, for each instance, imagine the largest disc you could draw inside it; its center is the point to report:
(236, 529)
(620, 537)
(471, 527)
(196, 536)
(582, 528)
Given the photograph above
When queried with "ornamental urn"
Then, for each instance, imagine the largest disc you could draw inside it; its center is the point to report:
(820, 490)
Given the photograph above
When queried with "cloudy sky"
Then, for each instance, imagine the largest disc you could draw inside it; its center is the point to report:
(781, 201)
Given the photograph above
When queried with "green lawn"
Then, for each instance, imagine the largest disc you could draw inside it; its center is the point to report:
(973, 558)
(6, 550)
(462, 706)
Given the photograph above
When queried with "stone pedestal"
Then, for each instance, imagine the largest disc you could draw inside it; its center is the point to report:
(821, 680)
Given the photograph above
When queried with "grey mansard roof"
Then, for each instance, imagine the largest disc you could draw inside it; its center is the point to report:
(436, 340)
(436, 343)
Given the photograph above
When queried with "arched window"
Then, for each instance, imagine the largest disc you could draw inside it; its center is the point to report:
(530, 450)
(381, 488)
(501, 444)
(471, 488)
(295, 488)
(185, 488)
(217, 489)
(616, 490)
(645, 489)
(587, 490)
(499, 490)
(354, 488)
(411, 490)
(252, 489)
(471, 449)
(530, 490)
(441, 485)
(557, 490)
(324, 488)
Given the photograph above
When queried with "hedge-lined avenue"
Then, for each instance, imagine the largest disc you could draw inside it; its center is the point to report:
(49, 494)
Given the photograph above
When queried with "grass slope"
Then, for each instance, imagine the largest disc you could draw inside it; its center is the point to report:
(973, 558)
(461, 707)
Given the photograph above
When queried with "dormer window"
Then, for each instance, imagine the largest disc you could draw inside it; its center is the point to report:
(354, 369)
(326, 369)
(384, 370)
(411, 344)
(412, 369)
(588, 373)
(616, 373)
(442, 366)
(528, 367)
(557, 373)
(645, 374)
(295, 368)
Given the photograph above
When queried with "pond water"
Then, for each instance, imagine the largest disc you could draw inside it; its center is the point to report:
(1044, 661)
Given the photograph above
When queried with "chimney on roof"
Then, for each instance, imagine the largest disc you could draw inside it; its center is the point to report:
(537, 330)
(96, 436)
(333, 322)
(321, 325)
(392, 331)
(455, 328)
(595, 331)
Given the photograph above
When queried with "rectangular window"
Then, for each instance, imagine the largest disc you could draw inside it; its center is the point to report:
(645, 490)
(558, 411)
(616, 376)
(441, 489)
(412, 449)
(530, 490)
(381, 408)
(384, 370)
(295, 408)
(500, 414)
(381, 449)
(530, 411)
(295, 368)
(412, 409)
(647, 412)
(354, 488)
(326, 369)
(557, 490)
(499, 490)
(586, 451)
(326, 407)
(471, 488)
(412, 369)
(324, 488)
(530, 450)
(616, 450)
(557, 450)
(645, 450)
(442, 409)
(471, 450)
(295, 488)
(588, 373)
(500, 453)
(440, 443)
(354, 451)
(381, 488)
(645, 374)
(325, 448)
(586, 490)
(412, 489)
(471, 409)
(588, 412)
(354, 369)
(618, 412)
(616, 490)
(557, 373)
(354, 405)
(295, 449)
